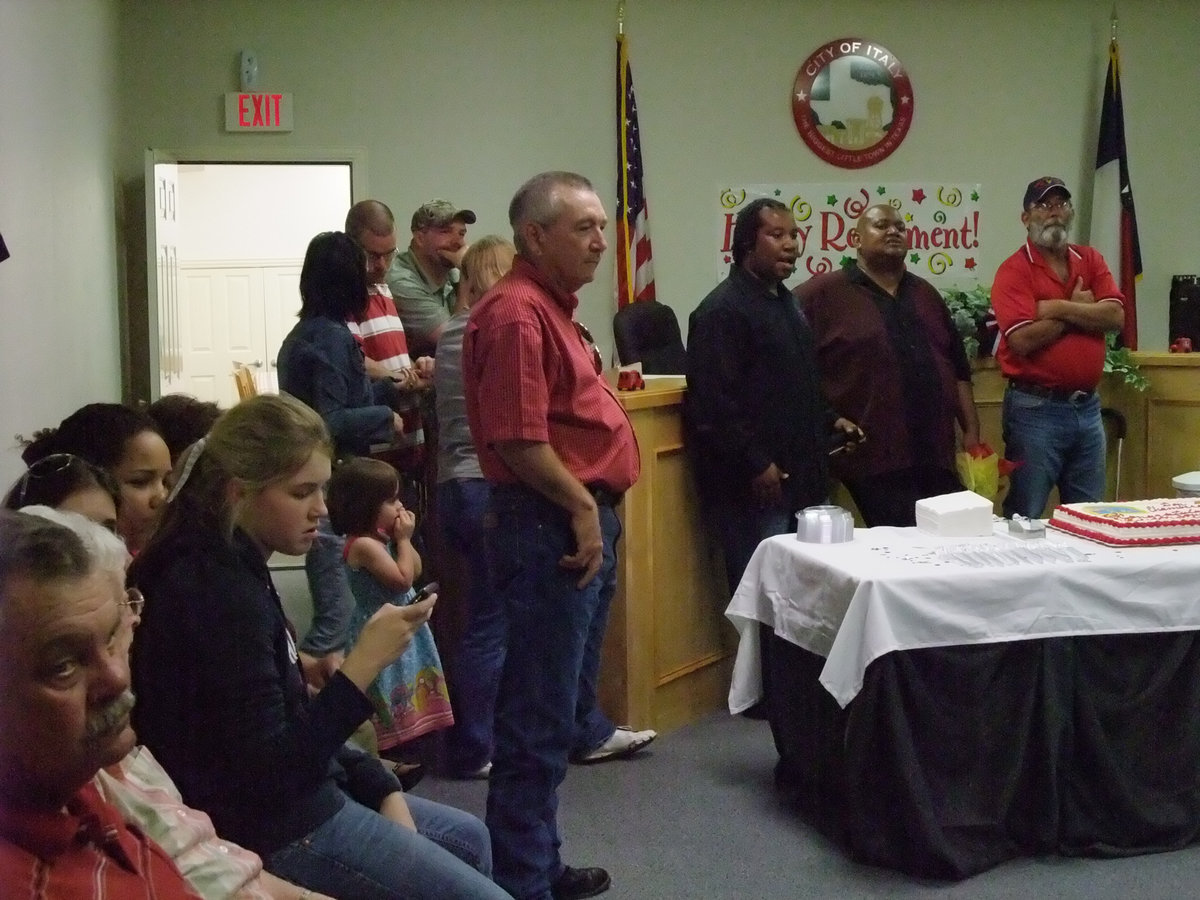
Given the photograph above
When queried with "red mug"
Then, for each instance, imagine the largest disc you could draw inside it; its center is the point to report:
(1182, 345)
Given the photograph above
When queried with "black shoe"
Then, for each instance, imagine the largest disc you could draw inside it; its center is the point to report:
(410, 774)
(575, 884)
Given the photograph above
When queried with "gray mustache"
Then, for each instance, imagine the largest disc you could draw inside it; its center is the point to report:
(106, 720)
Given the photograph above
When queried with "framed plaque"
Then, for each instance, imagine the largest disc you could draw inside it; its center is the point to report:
(853, 102)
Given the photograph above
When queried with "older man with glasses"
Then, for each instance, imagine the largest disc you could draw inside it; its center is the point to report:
(1054, 302)
(83, 811)
(560, 452)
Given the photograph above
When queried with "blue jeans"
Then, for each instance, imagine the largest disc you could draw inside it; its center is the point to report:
(461, 505)
(359, 853)
(1057, 442)
(547, 698)
(333, 603)
(741, 527)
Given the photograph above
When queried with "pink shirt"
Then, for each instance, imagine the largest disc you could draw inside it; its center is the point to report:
(146, 796)
(529, 375)
(1075, 361)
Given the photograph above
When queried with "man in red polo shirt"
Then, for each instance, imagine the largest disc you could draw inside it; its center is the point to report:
(64, 676)
(559, 451)
(1054, 301)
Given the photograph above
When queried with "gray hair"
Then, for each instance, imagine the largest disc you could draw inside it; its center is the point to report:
(35, 548)
(540, 199)
(105, 550)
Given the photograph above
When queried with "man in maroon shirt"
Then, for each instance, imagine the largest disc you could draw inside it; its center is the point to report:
(559, 451)
(1054, 301)
(891, 361)
(64, 677)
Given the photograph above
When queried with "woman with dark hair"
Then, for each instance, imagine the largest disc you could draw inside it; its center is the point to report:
(182, 420)
(70, 483)
(320, 362)
(125, 443)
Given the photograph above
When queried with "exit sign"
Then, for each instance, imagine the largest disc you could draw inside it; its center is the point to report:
(258, 112)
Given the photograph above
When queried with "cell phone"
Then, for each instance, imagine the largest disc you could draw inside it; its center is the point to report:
(842, 440)
(431, 588)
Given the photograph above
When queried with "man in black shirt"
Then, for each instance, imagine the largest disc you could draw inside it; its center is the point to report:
(759, 428)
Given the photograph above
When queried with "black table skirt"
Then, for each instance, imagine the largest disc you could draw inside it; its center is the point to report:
(951, 760)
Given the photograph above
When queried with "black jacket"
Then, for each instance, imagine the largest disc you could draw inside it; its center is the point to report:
(221, 700)
(754, 395)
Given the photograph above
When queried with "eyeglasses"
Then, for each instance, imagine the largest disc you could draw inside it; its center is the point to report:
(385, 257)
(134, 601)
(46, 467)
(1052, 205)
(588, 341)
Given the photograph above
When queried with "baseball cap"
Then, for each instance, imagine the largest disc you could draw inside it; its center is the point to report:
(440, 213)
(1040, 188)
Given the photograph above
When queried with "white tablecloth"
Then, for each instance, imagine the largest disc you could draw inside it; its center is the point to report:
(895, 589)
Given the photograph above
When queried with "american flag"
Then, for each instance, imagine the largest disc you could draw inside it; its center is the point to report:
(1114, 222)
(635, 273)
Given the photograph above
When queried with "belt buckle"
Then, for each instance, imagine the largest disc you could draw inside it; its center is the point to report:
(1079, 396)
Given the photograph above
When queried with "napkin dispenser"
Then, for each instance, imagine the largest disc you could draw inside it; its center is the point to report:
(1019, 526)
(824, 525)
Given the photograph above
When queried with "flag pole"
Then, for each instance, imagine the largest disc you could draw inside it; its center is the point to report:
(624, 262)
(1113, 24)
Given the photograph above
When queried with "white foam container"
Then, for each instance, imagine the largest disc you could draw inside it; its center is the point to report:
(1187, 484)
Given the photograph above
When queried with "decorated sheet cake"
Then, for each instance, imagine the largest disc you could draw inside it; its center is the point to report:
(1146, 523)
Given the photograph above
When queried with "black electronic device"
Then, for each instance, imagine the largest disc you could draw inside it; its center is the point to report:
(1184, 316)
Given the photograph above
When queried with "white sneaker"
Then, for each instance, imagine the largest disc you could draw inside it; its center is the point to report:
(623, 742)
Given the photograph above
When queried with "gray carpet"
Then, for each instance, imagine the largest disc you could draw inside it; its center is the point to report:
(695, 817)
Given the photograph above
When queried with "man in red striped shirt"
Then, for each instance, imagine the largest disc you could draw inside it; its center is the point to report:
(64, 677)
(559, 451)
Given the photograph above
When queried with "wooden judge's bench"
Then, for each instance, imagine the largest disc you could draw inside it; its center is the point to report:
(668, 654)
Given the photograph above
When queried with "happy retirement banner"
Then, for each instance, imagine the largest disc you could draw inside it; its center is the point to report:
(942, 220)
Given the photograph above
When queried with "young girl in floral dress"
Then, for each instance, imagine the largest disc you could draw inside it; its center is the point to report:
(410, 695)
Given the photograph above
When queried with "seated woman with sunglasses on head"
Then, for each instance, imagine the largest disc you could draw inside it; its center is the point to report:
(70, 483)
(126, 444)
(221, 698)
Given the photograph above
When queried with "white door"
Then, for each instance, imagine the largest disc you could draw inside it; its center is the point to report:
(282, 292)
(223, 327)
(237, 313)
(225, 242)
(162, 270)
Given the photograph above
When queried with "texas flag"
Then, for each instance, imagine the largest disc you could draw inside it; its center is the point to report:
(1114, 223)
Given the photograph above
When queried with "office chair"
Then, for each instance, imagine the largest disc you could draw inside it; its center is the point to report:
(648, 332)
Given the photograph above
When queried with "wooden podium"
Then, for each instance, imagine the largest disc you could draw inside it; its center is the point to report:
(668, 653)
